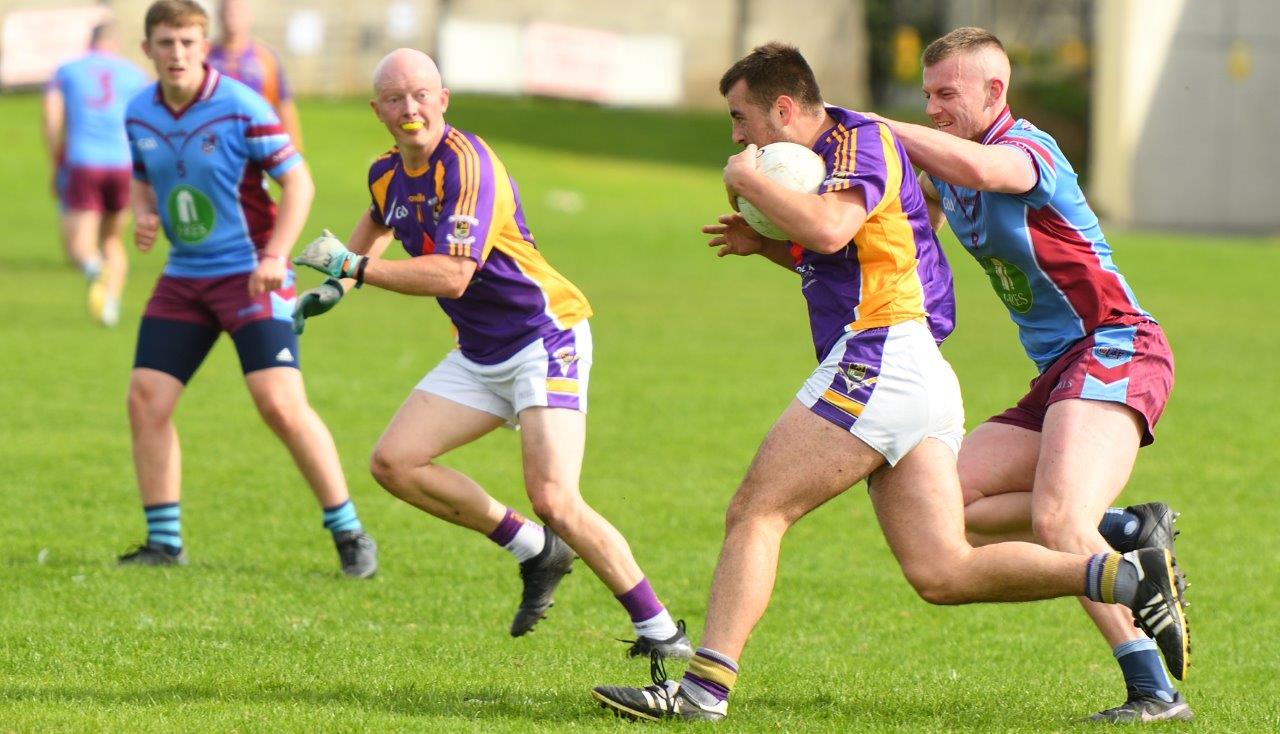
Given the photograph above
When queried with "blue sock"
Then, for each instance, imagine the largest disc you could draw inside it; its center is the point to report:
(1140, 662)
(1119, 528)
(164, 526)
(342, 518)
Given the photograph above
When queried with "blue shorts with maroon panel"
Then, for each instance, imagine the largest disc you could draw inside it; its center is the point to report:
(184, 317)
(1131, 365)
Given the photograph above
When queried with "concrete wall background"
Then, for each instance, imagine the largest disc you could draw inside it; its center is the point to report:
(1185, 112)
(713, 34)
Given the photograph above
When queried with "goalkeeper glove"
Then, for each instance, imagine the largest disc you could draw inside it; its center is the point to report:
(327, 254)
(316, 301)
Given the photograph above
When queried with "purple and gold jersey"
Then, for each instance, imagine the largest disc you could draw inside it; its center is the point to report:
(893, 270)
(463, 203)
(95, 89)
(255, 66)
(1043, 250)
(205, 162)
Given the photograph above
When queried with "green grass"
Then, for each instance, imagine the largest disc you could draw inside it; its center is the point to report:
(695, 358)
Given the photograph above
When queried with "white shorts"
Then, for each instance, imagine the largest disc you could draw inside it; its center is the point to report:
(551, 371)
(890, 387)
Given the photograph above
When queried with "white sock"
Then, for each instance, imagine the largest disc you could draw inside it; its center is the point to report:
(658, 627)
(91, 269)
(528, 542)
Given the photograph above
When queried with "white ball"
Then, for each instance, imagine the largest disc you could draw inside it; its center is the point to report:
(794, 167)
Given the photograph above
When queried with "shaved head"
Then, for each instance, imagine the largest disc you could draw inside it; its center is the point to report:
(403, 64)
(410, 99)
(966, 81)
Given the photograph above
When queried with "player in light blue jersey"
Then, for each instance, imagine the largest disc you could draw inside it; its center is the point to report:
(84, 106)
(201, 144)
(1047, 469)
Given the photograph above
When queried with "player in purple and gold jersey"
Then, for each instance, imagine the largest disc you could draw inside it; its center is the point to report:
(258, 67)
(523, 349)
(84, 107)
(883, 405)
(1047, 469)
(201, 145)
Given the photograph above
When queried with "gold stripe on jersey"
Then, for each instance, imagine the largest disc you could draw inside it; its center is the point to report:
(843, 402)
(504, 203)
(468, 172)
(565, 303)
(893, 170)
(848, 148)
(379, 190)
(886, 248)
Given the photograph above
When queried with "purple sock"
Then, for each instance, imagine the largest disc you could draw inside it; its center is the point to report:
(507, 528)
(640, 602)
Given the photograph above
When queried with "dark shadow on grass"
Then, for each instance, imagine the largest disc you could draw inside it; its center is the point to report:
(414, 700)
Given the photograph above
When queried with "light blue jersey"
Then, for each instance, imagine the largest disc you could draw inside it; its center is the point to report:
(95, 89)
(206, 162)
(1043, 250)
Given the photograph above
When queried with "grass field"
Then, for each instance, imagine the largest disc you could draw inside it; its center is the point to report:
(695, 358)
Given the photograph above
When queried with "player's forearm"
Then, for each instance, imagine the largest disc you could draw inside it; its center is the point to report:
(52, 125)
(368, 239)
(811, 221)
(952, 159)
(443, 276)
(142, 199)
(296, 193)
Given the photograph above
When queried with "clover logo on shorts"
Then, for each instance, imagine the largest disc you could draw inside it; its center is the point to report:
(191, 214)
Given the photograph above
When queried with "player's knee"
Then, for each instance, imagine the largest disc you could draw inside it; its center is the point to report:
(748, 509)
(554, 505)
(936, 583)
(387, 469)
(280, 414)
(146, 406)
(1060, 528)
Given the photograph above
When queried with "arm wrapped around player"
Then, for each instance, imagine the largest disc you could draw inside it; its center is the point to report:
(316, 301)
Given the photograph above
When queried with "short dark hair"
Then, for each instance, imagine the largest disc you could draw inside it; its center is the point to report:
(961, 40)
(101, 32)
(177, 13)
(771, 71)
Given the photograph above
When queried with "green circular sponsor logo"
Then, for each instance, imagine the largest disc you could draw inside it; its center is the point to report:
(1011, 284)
(191, 214)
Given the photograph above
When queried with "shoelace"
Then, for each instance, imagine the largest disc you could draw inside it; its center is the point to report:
(645, 645)
(658, 673)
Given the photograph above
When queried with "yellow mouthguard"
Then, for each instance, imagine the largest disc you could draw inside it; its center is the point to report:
(411, 126)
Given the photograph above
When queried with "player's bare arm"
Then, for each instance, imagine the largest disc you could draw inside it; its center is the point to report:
(288, 113)
(442, 276)
(999, 168)
(823, 223)
(296, 193)
(933, 201)
(146, 217)
(734, 236)
(54, 108)
(369, 238)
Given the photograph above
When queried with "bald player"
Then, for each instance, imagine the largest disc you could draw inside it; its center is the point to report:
(1047, 468)
(523, 355)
